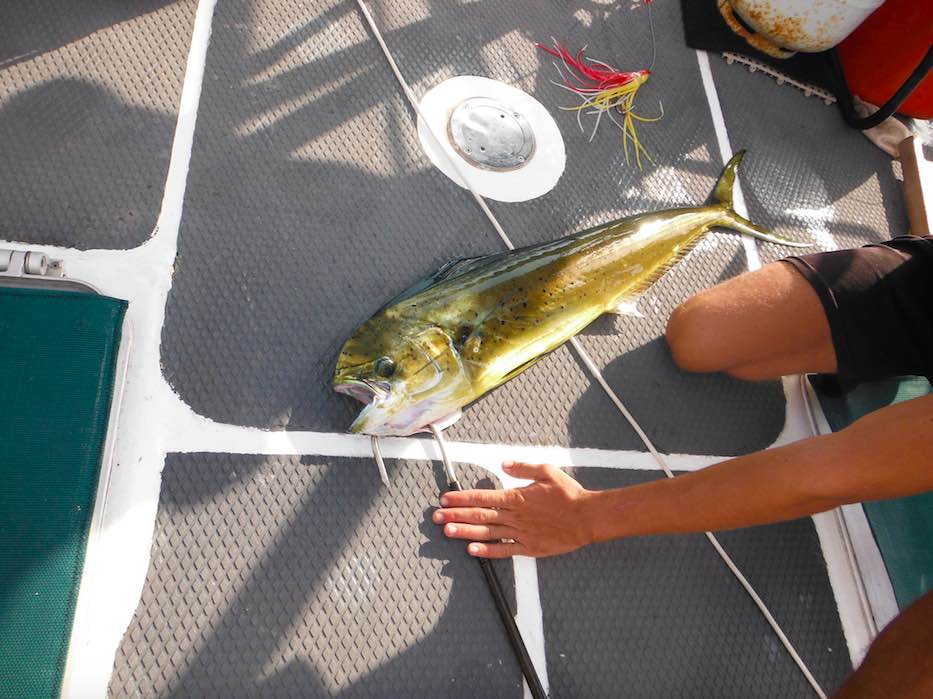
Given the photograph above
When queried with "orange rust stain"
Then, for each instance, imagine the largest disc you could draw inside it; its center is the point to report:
(787, 30)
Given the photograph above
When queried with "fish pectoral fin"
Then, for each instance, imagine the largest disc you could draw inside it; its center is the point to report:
(627, 307)
(446, 421)
(519, 369)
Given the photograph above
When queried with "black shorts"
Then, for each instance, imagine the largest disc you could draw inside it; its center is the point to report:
(879, 303)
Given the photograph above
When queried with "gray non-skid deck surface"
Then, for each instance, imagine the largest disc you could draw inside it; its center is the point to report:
(663, 617)
(807, 171)
(305, 577)
(88, 102)
(309, 203)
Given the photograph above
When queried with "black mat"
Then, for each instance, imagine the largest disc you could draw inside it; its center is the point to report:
(305, 577)
(88, 101)
(663, 617)
(309, 203)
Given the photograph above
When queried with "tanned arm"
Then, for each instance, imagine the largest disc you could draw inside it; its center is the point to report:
(884, 455)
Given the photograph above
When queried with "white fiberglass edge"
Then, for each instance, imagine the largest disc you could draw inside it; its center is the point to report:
(869, 564)
(845, 575)
(862, 553)
(84, 612)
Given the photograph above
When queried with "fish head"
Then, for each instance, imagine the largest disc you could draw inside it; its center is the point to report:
(408, 373)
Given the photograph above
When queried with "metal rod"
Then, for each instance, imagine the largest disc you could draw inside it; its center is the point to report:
(380, 462)
(495, 589)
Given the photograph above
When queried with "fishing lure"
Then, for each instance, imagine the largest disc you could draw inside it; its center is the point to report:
(603, 90)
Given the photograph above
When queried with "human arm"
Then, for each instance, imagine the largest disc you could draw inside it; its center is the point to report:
(883, 455)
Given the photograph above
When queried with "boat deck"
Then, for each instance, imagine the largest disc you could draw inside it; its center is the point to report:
(248, 176)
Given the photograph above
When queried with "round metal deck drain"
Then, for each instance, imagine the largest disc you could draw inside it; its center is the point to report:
(491, 138)
(491, 134)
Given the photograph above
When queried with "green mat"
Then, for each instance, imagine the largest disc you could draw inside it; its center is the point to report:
(903, 528)
(58, 354)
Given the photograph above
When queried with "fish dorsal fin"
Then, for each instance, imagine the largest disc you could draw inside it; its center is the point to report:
(448, 270)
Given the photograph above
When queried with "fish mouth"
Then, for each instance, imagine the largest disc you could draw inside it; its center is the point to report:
(364, 390)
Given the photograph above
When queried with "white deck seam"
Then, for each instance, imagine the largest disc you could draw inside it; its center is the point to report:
(117, 560)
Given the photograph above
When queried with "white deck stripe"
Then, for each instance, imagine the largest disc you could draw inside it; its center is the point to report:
(725, 152)
(529, 616)
(753, 261)
(192, 433)
(116, 562)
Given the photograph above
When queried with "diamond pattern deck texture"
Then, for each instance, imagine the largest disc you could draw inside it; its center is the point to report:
(88, 100)
(309, 203)
(663, 617)
(811, 177)
(304, 577)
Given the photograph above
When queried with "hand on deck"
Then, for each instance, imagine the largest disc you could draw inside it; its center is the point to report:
(544, 518)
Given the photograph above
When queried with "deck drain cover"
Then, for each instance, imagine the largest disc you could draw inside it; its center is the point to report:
(496, 137)
(491, 134)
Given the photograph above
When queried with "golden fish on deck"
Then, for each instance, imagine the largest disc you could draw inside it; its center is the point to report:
(475, 323)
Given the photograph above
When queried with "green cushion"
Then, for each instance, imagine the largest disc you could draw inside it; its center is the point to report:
(903, 528)
(58, 354)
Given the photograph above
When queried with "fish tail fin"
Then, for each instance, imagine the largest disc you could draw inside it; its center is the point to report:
(723, 195)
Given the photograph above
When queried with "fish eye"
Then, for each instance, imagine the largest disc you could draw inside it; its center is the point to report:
(384, 367)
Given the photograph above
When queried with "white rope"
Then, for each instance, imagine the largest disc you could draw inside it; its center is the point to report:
(414, 105)
(743, 581)
(593, 369)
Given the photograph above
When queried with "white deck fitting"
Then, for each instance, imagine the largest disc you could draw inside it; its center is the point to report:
(154, 421)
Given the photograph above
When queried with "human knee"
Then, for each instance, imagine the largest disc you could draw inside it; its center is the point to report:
(689, 337)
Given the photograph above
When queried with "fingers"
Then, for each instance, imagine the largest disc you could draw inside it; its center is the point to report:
(468, 515)
(478, 532)
(534, 472)
(477, 498)
(496, 550)
(502, 499)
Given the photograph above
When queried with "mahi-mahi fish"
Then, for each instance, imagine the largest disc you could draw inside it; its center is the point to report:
(475, 323)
